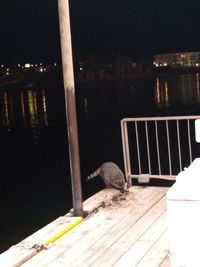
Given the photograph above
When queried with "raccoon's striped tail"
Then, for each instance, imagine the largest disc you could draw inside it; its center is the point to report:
(92, 175)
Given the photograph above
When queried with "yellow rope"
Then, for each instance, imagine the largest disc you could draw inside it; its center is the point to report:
(70, 226)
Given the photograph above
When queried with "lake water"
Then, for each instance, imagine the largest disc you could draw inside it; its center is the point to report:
(35, 176)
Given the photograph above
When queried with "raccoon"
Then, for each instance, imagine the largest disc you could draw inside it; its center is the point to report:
(111, 175)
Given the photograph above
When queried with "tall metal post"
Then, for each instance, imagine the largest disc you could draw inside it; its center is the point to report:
(68, 77)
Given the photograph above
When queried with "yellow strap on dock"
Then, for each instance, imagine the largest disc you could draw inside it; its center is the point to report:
(69, 227)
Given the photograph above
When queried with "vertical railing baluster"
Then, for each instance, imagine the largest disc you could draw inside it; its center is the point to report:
(179, 145)
(138, 148)
(189, 141)
(126, 153)
(157, 147)
(168, 147)
(148, 151)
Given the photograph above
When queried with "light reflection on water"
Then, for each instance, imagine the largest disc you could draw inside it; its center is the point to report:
(29, 107)
(23, 108)
(177, 90)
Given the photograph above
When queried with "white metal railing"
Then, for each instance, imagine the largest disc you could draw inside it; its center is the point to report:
(157, 147)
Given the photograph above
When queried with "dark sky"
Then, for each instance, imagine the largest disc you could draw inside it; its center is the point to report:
(29, 28)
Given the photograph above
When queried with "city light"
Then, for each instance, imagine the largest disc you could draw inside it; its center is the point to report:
(27, 65)
(42, 69)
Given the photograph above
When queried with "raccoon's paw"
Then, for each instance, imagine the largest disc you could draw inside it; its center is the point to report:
(125, 189)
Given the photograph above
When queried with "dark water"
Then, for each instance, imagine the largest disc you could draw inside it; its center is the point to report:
(34, 166)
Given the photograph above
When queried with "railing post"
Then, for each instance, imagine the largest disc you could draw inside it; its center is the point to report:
(126, 153)
(68, 77)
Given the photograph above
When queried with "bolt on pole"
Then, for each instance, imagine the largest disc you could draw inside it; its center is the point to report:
(69, 88)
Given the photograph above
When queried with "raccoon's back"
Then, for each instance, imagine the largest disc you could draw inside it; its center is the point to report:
(112, 174)
(106, 169)
(109, 168)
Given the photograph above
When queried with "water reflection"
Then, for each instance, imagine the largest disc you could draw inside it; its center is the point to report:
(198, 88)
(26, 108)
(162, 93)
(177, 89)
(44, 105)
(5, 111)
(23, 108)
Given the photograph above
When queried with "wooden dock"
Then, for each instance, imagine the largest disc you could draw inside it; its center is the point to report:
(128, 229)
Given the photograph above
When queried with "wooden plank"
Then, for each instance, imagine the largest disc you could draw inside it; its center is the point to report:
(29, 247)
(15, 256)
(143, 244)
(41, 235)
(157, 253)
(120, 235)
(78, 233)
(95, 221)
(166, 261)
(100, 230)
(102, 198)
(90, 251)
(121, 246)
(60, 231)
(66, 242)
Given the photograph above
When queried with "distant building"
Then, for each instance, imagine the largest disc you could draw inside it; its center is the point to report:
(183, 59)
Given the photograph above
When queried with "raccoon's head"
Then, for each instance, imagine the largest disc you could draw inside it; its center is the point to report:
(120, 184)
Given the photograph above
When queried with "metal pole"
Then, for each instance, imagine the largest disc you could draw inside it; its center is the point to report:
(68, 77)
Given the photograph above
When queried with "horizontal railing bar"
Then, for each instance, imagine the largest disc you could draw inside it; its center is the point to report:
(167, 177)
(161, 118)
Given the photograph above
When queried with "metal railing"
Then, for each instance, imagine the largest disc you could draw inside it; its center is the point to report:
(158, 147)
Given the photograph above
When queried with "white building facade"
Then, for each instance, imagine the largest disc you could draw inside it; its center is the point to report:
(184, 59)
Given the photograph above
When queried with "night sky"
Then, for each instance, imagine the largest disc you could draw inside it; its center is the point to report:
(30, 30)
